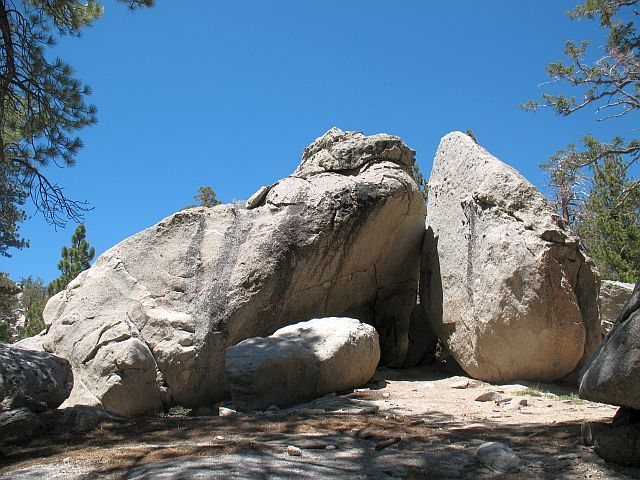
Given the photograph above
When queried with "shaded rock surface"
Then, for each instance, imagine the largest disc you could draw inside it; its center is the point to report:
(497, 456)
(611, 374)
(301, 362)
(617, 442)
(21, 425)
(37, 380)
(613, 297)
(147, 325)
(507, 286)
(18, 425)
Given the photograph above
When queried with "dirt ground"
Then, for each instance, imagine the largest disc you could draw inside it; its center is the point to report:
(406, 424)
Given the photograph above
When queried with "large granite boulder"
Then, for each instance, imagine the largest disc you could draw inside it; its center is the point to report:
(37, 380)
(506, 285)
(301, 362)
(147, 325)
(611, 374)
(613, 298)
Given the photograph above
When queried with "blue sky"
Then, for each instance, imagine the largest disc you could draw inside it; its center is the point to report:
(228, 93)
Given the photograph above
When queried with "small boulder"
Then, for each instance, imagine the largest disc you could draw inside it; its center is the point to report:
(29, 378)
(611, 374)
(613, 297)
(619, 445)
(617, 442)
(497, 456)
(301, 362)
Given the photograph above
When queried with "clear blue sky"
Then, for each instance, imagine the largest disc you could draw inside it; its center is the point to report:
(227, 94)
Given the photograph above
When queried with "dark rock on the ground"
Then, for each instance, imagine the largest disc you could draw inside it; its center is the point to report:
(619, 445)
(618, 441)
(497, 456)
(32, 379)
(19, 425)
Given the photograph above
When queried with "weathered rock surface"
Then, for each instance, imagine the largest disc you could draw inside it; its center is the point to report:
(31, 343)
(611, 374)
(301, 362)
(37, 380)
(613, 297)
(508, 288)
(147, 325)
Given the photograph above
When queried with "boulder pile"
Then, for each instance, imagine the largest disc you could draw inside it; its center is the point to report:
(214, 301)
(146, 327)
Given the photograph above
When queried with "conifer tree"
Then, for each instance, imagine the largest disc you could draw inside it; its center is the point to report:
(567, 184)
(423, 185)
(42, 107)
(32, 302)
(206, 197)
(611, 224)
(8, 306)
(610, 84)
(75, 259)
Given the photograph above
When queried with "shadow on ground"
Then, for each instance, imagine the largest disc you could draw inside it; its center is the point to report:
(348, 440)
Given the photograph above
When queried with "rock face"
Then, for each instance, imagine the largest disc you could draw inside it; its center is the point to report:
(507, 287)
(37, 380)
(301, 362)
(611, 374)
(147, 325)
(613, 297)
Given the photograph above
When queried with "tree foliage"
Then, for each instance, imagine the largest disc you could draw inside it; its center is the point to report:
(423, 185)
(12, 197)
(75, 259)
(32, 302)
(568, 183)
(610, 84)
(206, 197)
(606, 213)
(8, 307)
(611, 224)
(42, 107)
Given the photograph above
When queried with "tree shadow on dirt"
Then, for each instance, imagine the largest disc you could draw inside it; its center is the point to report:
(336, 444)
(339, 436)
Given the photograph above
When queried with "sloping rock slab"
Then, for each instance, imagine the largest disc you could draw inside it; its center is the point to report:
(611, 374)
(506, 284)
(30, 378)
(301, 362)
(147, 325)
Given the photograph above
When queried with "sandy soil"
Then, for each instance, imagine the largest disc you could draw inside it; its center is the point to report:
(406, 424)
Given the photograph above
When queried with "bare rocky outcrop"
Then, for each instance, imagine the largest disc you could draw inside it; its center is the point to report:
(611, 374)
(147, 325)
(613, 297)
(301, 362)
(506, 284)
